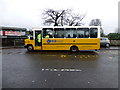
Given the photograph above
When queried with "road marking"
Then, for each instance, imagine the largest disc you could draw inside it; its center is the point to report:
(58, 74)
(47, 69)
(110, 57)
(72, 69)
(85, 57)
(109, 51)
(80, 57)
(55, 70)
(96, 55)
(42, 69)
(62, 56)
(51, 69)
(63, 70)
(88, 55)
(78, 70)
(88, 82)
(33, 81)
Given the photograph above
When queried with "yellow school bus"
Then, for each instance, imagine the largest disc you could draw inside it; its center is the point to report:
(72, 38)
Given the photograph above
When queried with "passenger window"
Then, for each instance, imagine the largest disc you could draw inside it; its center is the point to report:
(93, 32)
(58, 32)
(83, 32)
(48, 32)
(70, 33)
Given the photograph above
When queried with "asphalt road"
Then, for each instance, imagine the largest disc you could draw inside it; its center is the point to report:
(59, 69)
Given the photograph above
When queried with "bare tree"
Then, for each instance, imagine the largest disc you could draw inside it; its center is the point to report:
(74, 19)
(95, 22)
(62, 17)
(53, 16)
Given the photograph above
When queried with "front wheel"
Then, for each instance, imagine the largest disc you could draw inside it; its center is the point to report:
(74, 49)
(30, 48)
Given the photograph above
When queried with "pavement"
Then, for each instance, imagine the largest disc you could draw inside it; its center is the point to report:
(60, 69)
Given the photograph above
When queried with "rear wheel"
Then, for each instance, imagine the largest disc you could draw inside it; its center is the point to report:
(30, 48)
(107, 45)
(74, 49)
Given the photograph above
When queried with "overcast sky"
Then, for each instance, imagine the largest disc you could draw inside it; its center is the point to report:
(27, 13)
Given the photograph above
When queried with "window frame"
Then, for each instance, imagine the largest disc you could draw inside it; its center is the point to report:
(84, 32)
(72, 33)
(63, 31)
(90, 32)
(46, 33)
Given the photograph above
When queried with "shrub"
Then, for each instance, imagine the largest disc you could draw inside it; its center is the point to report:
(114, 36)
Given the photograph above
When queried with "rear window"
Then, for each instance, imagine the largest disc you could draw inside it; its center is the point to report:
(104, 39)
(93, 32)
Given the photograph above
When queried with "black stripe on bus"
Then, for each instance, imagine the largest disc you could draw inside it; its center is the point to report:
(69, 43)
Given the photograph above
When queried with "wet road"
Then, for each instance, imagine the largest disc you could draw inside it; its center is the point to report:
(60, 69)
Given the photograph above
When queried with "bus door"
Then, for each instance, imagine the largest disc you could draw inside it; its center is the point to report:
(38, 39)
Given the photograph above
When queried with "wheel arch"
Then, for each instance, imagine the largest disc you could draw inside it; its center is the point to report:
(29, 45)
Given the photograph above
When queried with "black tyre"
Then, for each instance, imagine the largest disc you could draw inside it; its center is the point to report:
(74, 49)
(107, 45)
(30, 48)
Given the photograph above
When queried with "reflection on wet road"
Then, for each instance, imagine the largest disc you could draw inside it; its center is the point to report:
(63, 59)
(60, 69)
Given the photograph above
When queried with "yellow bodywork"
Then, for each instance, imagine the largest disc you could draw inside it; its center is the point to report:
(66, 43)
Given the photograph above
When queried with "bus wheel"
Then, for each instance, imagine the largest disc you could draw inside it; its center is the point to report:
(74, 49)
(30, 48)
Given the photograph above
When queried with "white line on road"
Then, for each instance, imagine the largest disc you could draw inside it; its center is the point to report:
(63, 70)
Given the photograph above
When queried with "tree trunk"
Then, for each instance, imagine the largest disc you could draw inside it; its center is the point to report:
(56, 24)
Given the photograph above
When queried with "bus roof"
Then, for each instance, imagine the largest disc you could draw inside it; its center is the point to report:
(40, 28)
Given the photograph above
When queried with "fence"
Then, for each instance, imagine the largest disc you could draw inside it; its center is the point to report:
(12, 42)
(115, 42)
